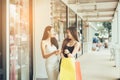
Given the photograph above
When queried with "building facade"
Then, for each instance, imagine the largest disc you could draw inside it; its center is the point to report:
(22, 23)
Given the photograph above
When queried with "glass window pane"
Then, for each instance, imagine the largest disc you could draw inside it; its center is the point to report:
(19, 40)
(59, 18)
(72, 21)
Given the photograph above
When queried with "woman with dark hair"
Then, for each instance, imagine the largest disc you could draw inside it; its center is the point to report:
(49, 47)
(70, 47)
(71, 43)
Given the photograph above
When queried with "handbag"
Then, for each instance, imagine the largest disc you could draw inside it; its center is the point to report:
(78, 71)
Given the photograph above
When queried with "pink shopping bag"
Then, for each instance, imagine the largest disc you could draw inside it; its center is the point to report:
(78, 71)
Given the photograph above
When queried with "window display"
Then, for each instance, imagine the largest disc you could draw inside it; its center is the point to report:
(19, 40)
(72, 21)
(58, 18)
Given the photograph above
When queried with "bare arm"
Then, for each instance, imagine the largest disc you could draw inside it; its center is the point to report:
(43, 49)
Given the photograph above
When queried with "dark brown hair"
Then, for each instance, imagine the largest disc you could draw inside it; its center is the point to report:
(73, 31)
(45, 36)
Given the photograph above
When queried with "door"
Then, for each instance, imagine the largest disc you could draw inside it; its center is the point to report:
(20, 44)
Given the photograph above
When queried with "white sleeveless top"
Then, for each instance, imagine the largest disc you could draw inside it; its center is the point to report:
(53, 58)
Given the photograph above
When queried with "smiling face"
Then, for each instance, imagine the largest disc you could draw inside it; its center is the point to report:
(51, 32)
(72, 33)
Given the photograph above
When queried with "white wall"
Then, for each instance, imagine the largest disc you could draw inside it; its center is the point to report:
(86, 42)
(41, 18)
(89, 34)
(116, 36)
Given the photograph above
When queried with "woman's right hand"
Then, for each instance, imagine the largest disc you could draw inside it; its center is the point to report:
(57, 52)
(70, 55)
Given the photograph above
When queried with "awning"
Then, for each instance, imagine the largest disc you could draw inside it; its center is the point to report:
(93, 10)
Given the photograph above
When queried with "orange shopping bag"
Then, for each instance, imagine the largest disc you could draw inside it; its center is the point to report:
(78, 71)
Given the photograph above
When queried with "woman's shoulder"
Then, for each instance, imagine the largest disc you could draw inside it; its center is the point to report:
(43, 42)
(77, 43)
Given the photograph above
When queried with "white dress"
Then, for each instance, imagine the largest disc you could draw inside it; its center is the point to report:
(52, 63)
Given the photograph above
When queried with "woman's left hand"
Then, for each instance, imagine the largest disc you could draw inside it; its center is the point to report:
(58, 52)
(70, 55)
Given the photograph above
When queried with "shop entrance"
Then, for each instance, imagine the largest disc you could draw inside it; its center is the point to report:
(16, 55)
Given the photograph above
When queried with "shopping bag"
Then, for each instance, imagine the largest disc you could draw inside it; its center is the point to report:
(67, 69)
(78, 71)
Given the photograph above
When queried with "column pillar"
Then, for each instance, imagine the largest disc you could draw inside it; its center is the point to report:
(85, 44)
(67, 16)
(114, 29)
(117, 47)
(118, 23)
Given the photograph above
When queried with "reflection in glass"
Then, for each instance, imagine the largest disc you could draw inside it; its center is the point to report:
(59, 18)
(72, 20)
(80, 28)
(19, 39)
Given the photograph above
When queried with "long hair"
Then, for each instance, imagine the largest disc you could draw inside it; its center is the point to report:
(53, 40)
(73, 31)
(45, 34)
(65, 41)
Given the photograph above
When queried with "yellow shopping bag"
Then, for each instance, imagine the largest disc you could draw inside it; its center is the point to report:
(67, 69)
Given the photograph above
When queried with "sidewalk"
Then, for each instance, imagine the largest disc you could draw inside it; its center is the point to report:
(97, 66)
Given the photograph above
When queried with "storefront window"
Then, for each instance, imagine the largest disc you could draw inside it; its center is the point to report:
(80, 28)
(72, 20)
(59, 18)
(19, 40)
